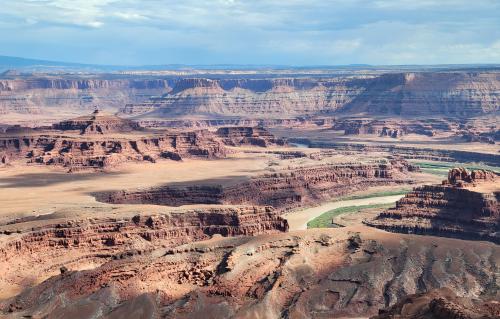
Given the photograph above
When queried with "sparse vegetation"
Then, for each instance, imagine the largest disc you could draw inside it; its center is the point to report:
(325, 220)
(442, 168)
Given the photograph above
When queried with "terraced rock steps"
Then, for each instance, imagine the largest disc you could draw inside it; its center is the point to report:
(466, 205)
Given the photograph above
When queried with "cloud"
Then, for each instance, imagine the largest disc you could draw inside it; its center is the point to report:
(252, 31)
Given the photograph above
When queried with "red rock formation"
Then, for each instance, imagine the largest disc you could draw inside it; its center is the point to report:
(441, 304)
(395, 128)
(257, 136)
(284, 189)
(465, 206)
(97, 123)
(316, 273)
(96, 151)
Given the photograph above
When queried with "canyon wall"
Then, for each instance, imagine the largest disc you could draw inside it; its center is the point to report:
(461, 94)
(50, 95)
(466, 206)
(406, 152)
(57, 243)
(407, 94)
(284, 189)
(100, 152)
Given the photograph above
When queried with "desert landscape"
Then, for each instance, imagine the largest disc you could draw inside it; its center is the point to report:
(237, 159)
(252, 198)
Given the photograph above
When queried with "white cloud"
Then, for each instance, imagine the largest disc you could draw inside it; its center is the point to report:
(252, 31)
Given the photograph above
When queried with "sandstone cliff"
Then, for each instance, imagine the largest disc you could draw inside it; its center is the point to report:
(48, 95)
(284, 189)
(101, 152)
(256, 136)
(407, 94)
(465, 206)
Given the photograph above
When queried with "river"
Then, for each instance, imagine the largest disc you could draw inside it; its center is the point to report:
(298, 219)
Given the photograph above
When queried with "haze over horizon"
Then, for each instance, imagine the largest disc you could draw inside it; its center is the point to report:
(298, 32)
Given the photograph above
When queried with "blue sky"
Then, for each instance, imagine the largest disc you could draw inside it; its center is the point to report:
(293, 32)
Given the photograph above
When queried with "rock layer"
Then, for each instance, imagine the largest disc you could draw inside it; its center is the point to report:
(256, 136)
(101, 152)
(459, 94)
(70, 242)
(315, 274)
(465, 206)
(284, 189)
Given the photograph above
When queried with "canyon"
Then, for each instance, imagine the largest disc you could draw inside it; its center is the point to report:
(453, 93)
(187, 194)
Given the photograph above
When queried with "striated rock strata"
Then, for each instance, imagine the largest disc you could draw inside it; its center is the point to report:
(47, 95)
(97, 123)
(284, 189)
(422, 153)
(256, 136)
(84, 242)
(466, 205)
(457, 94)
(326, 273)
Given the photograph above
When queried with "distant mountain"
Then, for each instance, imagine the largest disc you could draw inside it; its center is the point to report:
(16, 65)
(30, 65)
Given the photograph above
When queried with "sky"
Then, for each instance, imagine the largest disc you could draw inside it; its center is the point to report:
(258, 32)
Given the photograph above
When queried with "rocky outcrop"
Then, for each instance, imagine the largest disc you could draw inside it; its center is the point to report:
(394, 128)
(422, 153)
(465, 206)
(98, 123)
(440, 304)
(255, 136)
(67, 243)
(101, 152)
(237, 122)
(284, 189)
(318, 274)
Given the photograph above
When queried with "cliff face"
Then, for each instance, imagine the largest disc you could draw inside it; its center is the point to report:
(282, 190)
(406, 94)
(317, 274)
(47, 96)
(395, 128)
(51, 244)
(272, 97)
(465, 206)
(256, 136)
(96, 152)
